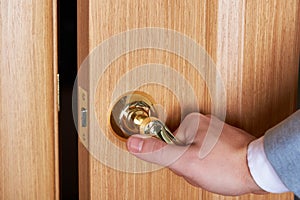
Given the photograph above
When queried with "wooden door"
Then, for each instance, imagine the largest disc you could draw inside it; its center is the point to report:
(255, 48)
(28, 105)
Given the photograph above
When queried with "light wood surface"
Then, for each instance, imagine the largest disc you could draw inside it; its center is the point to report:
(255, 46)
(28, 100)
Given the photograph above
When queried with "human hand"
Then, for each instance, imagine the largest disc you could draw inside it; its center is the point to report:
(224, 170)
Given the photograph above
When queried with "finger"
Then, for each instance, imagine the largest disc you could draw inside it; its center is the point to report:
(141, 144)
(154, 150)
(193, 128)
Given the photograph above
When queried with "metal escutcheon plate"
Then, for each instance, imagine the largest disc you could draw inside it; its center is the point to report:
(121, 119)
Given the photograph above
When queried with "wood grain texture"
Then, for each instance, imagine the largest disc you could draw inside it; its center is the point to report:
(255, 46)
(28, 100)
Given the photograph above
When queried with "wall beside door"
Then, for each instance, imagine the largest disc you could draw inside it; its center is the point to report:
(28, 100)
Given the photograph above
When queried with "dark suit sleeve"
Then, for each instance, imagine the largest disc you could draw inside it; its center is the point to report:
(282, 148)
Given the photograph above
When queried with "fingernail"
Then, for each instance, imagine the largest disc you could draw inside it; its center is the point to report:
(135, 144)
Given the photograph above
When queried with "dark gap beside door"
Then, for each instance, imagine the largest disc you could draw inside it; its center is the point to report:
(67, 67)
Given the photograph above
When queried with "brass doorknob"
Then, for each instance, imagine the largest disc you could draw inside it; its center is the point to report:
(135, 113)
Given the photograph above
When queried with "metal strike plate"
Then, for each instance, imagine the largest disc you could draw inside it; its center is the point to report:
(83, 117)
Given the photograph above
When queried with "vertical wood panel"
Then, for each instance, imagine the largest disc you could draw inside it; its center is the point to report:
(83, 51)
(28, 104)
(255, 45)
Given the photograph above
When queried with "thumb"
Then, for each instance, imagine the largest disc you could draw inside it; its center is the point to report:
(154, 150)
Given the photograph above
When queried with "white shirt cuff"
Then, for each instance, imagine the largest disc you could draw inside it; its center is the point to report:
(261, 170)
